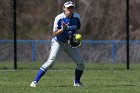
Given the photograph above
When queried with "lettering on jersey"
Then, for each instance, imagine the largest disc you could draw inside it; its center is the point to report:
(73, 27)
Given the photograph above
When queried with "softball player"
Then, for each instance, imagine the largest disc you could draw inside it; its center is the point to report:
(65, 25)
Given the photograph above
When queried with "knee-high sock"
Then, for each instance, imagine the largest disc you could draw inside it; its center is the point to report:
(78, 74)
(40, 73)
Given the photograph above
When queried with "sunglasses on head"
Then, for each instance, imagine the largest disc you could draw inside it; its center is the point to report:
(71, 7)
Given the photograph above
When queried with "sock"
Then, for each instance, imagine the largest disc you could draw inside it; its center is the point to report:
(40, 73)
(78, 74)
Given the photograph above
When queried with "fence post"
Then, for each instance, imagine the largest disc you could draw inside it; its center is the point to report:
(127, 34)
(15, 34)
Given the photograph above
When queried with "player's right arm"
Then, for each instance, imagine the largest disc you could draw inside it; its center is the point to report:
(58, 26)
(57, 32)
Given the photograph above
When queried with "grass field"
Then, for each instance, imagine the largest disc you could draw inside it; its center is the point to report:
(68, 65)
(61, 81)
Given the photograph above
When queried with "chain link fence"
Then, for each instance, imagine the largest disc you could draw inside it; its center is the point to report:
(103, 28)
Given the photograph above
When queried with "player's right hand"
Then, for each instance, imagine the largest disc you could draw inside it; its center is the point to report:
(64, 25)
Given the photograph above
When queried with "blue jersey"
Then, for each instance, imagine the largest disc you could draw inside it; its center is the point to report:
(73, 24)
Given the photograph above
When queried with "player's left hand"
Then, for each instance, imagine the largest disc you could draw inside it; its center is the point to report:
(73, 42)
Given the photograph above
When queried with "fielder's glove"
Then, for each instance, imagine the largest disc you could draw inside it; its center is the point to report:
(73, 42)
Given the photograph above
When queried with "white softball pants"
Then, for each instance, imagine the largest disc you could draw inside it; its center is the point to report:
(56, 48)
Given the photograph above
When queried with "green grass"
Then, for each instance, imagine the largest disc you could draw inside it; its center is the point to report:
(61, 81)
(69, 65)
(63, 65)
(98, 77)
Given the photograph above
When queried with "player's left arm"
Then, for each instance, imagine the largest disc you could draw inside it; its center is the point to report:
(78, 23)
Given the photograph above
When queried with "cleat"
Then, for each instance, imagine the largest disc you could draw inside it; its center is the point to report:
(33, 84)
(78, 84)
